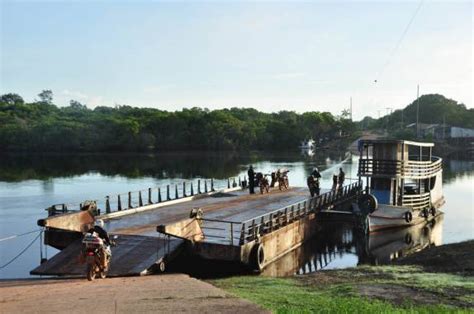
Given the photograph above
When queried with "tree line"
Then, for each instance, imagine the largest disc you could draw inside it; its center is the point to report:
(43, 126)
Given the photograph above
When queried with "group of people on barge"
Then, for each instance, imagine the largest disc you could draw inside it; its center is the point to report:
(313, 181)
(280, 177)
(260, 180)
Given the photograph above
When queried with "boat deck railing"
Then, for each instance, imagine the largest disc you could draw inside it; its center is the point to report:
(417, 201)
(411, 169)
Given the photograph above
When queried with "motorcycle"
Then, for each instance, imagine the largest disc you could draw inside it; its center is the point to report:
(282, 179)
(96, 254)
(262, 182)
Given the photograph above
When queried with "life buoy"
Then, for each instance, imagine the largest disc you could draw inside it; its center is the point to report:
(257, 257)
(408, 217)
(368, 203)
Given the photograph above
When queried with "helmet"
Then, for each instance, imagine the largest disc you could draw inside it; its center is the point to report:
(99, 223)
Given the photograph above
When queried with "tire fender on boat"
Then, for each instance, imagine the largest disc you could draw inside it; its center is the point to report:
(368, 203)
(408, 217)
(257, 257)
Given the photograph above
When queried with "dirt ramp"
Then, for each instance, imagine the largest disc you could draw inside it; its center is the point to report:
(170, 293)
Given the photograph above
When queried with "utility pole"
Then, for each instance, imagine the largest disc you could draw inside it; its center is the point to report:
(389, 112)
(351, 108)
(417, 111)
(444, 127)
(401, 126)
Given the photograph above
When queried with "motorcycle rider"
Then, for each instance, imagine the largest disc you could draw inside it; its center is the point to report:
(316, 174)
(313, 185)
(101, 233)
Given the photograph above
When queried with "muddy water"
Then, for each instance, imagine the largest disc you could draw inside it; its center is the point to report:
(30, 184)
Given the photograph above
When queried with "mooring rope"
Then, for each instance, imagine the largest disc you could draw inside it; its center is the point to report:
(18, 235)
(24, 250)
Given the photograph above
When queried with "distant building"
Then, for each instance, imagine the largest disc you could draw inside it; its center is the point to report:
(440, 131)
(425, 129)
(443, 132)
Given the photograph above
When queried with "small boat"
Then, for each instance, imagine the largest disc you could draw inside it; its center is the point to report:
(308, 145)
(403, 182)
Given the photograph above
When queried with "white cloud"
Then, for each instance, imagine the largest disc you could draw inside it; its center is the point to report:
(74, 94)
(89, 100)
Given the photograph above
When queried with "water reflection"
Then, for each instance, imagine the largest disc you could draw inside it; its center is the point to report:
(74, 178)
(339, 245)
(455, 168)
(219, 165)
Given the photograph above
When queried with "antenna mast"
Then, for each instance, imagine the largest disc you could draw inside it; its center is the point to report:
(351, 108)
(417, 111)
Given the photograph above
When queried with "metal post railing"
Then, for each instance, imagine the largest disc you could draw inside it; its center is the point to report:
(210, 186)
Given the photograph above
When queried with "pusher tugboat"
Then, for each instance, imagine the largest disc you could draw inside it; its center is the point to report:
(403, 182)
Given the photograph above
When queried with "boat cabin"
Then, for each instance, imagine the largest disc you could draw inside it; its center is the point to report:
(401, 173)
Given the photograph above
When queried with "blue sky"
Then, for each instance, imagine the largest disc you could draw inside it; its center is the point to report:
(267, 55)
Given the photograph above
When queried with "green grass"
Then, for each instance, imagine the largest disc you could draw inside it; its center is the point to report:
(412, 276)
(297, 295)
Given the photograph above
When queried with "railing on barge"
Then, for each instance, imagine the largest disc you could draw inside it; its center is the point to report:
(150, 196)
(232, 232)
(411, 169)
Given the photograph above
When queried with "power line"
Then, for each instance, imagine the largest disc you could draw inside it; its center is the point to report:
(397, 45)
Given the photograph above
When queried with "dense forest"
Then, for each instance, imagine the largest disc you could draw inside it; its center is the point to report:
(44, 127)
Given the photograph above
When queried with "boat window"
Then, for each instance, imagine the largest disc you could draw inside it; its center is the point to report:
(415, 151)
(411, 188)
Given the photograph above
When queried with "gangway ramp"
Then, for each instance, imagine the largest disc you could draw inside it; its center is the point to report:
(132, 255)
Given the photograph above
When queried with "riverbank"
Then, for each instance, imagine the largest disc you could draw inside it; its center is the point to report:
(170, 293)
(437, 279)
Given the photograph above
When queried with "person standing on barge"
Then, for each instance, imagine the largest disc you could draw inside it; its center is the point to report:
(251, 175)
(341, 178)
(334, 182)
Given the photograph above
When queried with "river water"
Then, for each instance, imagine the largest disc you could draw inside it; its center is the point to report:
(29, 184)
